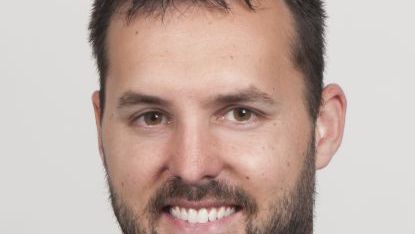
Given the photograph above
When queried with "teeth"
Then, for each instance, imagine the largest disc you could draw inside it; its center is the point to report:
(221, 212)
(228, 211)
(175, 212)
(183, 214)
(213, 215)
(203, 215)
(192, 216)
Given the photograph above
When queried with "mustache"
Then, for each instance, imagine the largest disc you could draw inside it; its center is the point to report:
(220, 191)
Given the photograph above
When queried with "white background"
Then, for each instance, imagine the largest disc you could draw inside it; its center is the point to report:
(51, 178)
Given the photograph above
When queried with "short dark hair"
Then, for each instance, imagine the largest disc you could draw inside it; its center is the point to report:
(308, 49)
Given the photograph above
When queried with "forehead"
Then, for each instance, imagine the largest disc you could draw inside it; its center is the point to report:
(197, 45)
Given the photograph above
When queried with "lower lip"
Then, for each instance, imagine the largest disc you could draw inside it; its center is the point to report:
(184, 227)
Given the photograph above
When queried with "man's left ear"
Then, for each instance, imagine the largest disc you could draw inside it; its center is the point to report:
(330, 124)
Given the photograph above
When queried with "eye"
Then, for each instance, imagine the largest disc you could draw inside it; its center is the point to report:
(152, 118)
(240, 115)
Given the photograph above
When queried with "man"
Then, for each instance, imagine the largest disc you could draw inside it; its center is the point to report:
(211, 115)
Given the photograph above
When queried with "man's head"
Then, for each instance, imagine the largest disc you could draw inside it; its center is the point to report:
(215, 118)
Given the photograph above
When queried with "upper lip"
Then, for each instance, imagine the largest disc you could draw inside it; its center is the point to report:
(208, 203)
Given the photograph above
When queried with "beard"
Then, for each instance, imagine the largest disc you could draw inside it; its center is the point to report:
(291, 214)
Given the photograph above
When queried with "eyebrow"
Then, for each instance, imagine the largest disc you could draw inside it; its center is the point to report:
(249, 95)
(132, 98)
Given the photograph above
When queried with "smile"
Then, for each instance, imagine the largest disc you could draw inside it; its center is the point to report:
(202, 215)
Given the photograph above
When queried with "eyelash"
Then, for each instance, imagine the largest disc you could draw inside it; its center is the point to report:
(220, 116)
(255, 113)
(141, 115)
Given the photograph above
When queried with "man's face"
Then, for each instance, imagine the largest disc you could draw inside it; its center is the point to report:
(206, 128)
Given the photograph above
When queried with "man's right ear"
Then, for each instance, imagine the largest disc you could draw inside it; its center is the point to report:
(97, 110)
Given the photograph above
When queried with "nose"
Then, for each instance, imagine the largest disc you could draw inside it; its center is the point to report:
(195, 159)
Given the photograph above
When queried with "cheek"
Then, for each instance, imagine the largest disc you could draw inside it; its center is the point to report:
(133, 163)
(267, 161)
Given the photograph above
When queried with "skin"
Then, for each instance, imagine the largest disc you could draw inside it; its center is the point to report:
(190, 60)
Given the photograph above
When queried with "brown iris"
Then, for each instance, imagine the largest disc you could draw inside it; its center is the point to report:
(153, 118)
(242, 114)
